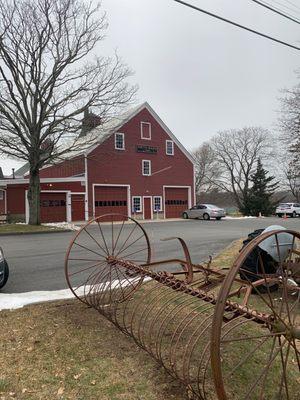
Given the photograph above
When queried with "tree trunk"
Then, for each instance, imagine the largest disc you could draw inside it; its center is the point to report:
(34, 197)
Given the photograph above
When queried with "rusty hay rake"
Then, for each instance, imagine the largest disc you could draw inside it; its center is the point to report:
(225, 333)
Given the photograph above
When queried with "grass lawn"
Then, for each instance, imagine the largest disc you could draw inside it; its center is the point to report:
(24, 228)
(64, 350)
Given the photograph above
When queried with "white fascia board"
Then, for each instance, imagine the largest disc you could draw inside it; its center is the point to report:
(4, 182)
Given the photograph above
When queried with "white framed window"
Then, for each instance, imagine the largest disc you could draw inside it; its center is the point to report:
(119, 141)
(146, 167)
(157, 203)
(136, 204)
(1, 194)
(170, 147)
(146, 130)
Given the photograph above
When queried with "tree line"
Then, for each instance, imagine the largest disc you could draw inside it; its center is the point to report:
(238, 161)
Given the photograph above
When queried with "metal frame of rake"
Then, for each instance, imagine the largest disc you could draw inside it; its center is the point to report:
(224, 337)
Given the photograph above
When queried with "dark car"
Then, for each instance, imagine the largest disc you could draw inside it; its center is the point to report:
(4, 270)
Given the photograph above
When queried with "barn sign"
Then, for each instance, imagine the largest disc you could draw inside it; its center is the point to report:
(146, 149)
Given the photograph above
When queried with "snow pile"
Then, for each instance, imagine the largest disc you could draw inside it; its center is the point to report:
(63, 225)
(9, 301)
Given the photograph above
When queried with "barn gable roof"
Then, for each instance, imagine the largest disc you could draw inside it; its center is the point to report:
(104, 131)
(116, 123)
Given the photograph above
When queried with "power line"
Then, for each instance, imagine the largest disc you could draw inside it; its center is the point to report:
(238, 25)
(266, 5)
(287, 7)
(294, 5)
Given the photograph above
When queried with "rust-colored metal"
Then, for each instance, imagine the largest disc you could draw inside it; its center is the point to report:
(223, 336)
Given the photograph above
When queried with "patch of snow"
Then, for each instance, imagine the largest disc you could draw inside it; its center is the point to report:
(63, 225)
(10, 301)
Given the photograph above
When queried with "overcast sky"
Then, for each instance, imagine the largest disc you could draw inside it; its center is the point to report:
(199, 74)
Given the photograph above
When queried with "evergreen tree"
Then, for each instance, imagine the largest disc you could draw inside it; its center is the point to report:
(259, 199)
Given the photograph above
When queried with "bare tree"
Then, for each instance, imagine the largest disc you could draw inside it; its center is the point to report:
(290, 119)
(291, 175)
(49, 75)
(207, 169)
(289, 122)
(237, 151)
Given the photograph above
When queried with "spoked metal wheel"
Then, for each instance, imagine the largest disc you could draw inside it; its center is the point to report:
(91, 265)
(256, 353)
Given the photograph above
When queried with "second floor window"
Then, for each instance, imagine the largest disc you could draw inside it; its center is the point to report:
(119, 141)
(169, 147)
(146, 167)
(146, 130)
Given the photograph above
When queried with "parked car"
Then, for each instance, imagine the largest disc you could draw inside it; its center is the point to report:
(289, 209)
(4, 270)
(205, 211)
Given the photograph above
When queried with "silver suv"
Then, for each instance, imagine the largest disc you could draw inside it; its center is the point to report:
(288, 209)
(205, 211)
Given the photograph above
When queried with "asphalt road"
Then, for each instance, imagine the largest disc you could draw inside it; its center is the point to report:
(37, 261)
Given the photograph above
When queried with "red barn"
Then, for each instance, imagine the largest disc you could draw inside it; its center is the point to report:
(138, 168)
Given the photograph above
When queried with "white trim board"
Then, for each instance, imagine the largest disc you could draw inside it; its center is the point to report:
(17, 181)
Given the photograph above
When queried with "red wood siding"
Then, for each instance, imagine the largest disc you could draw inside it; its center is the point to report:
(110, 199)
(72, 186)
(53, 207)
(147, 208)
(69, 168)
(16, 199)
(110, 166)
(2, 201)
(78, 207)
(176, 201)
(16, 194)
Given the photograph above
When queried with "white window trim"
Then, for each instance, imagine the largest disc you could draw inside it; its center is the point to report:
(157, 197)
(118, 148)
(145, 123)
(149, 161)
(141, 205)
(169, 154)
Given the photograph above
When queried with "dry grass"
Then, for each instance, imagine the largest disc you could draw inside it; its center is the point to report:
(24, 228)
(65, 350)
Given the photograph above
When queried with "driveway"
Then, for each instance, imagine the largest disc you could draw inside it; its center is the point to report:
(37, 261)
